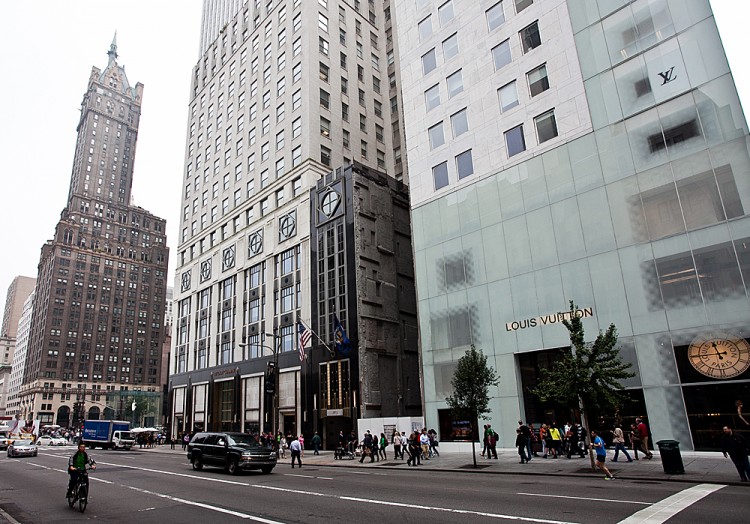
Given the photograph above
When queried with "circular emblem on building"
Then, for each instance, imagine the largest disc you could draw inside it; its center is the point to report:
(287, 226)
(255, 243)
(205, 270)
(185, 281)
(719, 354)
(227, 258)
(330, 203)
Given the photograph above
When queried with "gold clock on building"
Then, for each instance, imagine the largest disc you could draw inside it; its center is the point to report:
(719, 354)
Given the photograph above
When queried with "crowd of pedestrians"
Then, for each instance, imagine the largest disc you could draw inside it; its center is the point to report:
(415, 447)
(553, 441)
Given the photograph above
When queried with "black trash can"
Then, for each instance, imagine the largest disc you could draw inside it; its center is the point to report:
(671, 460)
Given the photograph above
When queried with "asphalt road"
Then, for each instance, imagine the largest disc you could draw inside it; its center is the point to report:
(158, 487)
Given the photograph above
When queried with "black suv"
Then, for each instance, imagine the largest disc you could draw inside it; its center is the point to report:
(231, 451)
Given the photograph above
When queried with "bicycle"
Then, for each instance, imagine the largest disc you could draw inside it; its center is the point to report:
(80, 492)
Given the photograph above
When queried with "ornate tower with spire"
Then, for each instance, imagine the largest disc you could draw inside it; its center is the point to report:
(97, 325)
(107, 134)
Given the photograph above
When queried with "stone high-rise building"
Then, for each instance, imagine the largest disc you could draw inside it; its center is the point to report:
(284, 94)
(18, 291)
(98, 316)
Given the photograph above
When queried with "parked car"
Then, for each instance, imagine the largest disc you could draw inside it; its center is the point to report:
(22, 448)
(46, 440)
(231, 451)
(5, 439)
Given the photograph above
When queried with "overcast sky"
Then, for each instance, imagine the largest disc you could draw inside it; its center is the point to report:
(47, 49)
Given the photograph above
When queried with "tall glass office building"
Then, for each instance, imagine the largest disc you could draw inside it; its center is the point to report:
(593, 151)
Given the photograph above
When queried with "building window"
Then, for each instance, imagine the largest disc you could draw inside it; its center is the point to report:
(432, 97)
(538, 80)
(425, 29)
(459, 123)
(445, 13)
(440, 175)
(325, 127)
(522, 4)
(363, 148)
(546, 127)
(530, 37)
(325, 99)
(323, 22)
(323, 46)
(325, 155)
(501, 55)
(495, 16)
(429, 62)
(508, 96)
(437, 137)
(515, 141)
(450, 46)
(455, 84)
(324, 72)
(287, 299)
(464, 164)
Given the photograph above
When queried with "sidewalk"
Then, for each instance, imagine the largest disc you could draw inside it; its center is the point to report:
(700, 467)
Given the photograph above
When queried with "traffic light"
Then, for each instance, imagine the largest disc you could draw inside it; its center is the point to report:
(271, 378)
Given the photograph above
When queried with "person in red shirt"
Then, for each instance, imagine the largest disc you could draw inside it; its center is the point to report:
(642, 430)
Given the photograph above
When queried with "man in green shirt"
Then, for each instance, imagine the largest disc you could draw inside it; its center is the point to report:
(77, 464)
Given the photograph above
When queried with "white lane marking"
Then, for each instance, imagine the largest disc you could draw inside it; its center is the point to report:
(414, 506)
(308, 476)
(671, 506)
(63, 471)
(585, 498)
(459, 511)
(206, 506)
(208, 479)
(8, 517)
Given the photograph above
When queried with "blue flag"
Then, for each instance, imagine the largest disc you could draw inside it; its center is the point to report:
(339, 336)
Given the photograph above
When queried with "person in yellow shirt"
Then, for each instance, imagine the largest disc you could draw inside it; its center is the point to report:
(554, 433)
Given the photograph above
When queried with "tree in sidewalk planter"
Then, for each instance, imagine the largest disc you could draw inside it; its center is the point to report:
(588, 374)
(471, 383)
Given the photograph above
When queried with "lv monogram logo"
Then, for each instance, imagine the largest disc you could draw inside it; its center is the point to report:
(668, 75)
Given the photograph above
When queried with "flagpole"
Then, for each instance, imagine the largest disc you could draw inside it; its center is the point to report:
(330, 352)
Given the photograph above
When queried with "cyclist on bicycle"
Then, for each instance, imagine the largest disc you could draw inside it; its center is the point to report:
(77, 467)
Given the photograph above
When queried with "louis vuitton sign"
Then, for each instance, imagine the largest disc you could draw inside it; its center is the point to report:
(552, 318)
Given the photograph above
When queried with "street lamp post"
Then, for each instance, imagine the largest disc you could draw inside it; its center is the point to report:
(273, 385)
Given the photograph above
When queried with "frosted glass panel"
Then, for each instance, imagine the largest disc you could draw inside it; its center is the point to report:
(592, 51)
(558, 173)
(602, 98)
(566, 219)
(517, 245)
(614, 152)
(628, 219)
(597, 223)
(533, 184)
(542, 240)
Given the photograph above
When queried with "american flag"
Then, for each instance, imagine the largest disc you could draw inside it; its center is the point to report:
(304, 337)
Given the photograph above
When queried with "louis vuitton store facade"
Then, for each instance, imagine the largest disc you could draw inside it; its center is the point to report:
(643, 221)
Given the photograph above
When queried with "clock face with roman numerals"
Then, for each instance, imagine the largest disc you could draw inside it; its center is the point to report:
(719, 355)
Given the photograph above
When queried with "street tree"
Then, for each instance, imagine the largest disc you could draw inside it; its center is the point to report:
(471, 383)
(587, 374)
